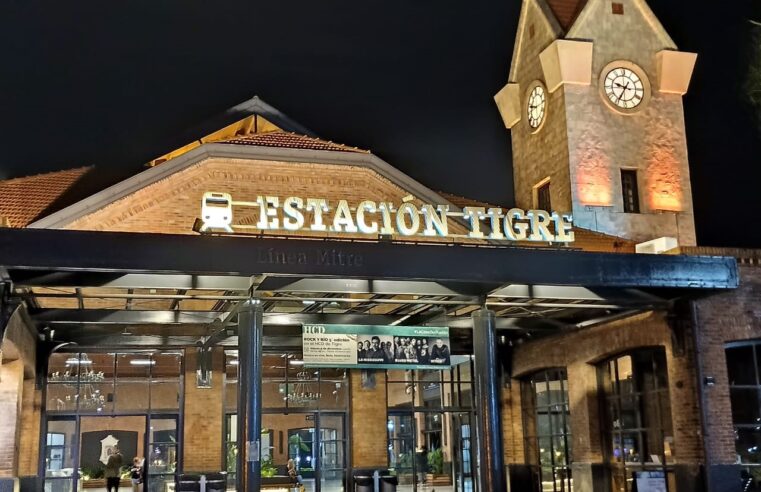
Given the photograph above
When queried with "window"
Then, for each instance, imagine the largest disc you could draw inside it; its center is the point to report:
(629, 191)
(618, 8)
(744, 376)
(543, 201)
(547, 428)
(106, 383)
(637, 415)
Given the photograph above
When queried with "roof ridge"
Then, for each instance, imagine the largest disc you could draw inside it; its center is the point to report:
(266, 137)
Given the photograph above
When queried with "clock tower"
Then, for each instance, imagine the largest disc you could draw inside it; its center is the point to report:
(594, 107)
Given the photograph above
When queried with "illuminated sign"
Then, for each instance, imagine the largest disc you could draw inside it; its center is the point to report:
(270, 213)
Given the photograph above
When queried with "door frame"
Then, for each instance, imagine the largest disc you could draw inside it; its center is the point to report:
(456, 455)
(317, 442)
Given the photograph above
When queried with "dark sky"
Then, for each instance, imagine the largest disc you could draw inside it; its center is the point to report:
(109, 83)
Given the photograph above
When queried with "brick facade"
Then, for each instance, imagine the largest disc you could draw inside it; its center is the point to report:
(725, 317)
(203, 418)
(368, 421)
(579, 352)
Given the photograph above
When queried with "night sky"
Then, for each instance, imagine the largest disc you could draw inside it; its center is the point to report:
(109, 83)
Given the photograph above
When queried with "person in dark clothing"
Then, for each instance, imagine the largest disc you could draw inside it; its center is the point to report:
(113, 469)
(376, 352)
(440, 352)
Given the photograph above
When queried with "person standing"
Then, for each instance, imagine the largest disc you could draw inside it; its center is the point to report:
(113, 469)
(136, 474)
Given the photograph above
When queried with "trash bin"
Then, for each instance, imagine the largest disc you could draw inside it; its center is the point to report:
(216, 482)
(189, 483)
(364, 483)
(388, 483)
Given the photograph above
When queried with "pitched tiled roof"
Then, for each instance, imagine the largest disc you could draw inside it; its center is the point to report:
(290, 141)
(23, 200)
(462, 201)
(566, 11)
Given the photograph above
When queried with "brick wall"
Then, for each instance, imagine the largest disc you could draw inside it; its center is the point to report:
(368, 422)
(722, 318)
(172, 204)
(29, 441)
(11, 381)
(578, 352)
(203, 427)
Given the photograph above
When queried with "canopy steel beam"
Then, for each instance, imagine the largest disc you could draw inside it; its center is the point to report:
(33, 278)
(108, 317)
(116, 252)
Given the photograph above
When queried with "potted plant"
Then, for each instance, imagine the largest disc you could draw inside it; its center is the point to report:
(436, 475)
(268, 468)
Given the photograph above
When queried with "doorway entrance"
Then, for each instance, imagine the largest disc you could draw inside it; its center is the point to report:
(315, 441)
(431, 450)
(84, 444)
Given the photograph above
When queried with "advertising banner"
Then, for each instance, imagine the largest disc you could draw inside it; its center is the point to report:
(376, 347)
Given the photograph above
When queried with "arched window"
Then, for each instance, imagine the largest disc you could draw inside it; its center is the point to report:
(547, 428)
(636, 420)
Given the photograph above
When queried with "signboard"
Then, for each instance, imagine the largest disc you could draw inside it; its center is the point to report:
(650, 481)
(409, 219)
(376, 347)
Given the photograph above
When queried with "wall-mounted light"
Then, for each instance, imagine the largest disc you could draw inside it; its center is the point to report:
(709, 381)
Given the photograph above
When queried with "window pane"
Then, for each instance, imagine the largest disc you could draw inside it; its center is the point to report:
(167, 366)
(96, 397)
(131, 396)
(630, 412)
(63, 367)
(334, 388)
(542, 393)
(399, 395)
(59, 457)
(165, 396)
(133, 367)
(740, 365)
(59, 485)
(745, 409)
(95, 367)
(163, 431)
(273, 394)
(61, 397)
(748, 445)
(162, 459)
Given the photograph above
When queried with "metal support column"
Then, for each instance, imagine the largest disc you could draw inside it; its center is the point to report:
(250, 331)
(491, 471)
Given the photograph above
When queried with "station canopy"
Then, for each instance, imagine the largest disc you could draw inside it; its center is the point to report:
(127, 265)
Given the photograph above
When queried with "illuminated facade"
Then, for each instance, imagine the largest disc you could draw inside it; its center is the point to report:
(607, 136)
(168, 312)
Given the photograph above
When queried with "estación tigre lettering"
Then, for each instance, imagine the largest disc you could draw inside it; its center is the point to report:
(386, 218)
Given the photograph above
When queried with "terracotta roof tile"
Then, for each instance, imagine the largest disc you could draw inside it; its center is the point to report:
(566, 11)
(23, 200)
(461, 201)
(290, 141)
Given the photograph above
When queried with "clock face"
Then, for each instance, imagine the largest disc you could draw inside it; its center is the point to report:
(536, 106)
(624, 88)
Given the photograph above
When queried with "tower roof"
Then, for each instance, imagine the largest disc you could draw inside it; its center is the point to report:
(566, 11)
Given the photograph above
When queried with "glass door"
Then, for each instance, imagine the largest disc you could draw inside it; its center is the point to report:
(401, 449)
(332, 443)
(161, 462)
(315, 442)
(60, 454)
(432, 450)
(463, 428)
